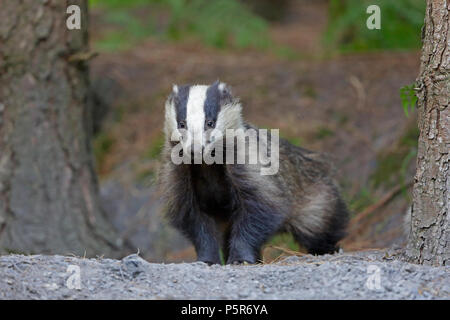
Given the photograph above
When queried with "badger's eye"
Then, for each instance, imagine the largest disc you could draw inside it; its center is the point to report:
(181, 125)
(209, 123)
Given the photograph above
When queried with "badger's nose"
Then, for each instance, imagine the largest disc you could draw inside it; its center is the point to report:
(197, 150)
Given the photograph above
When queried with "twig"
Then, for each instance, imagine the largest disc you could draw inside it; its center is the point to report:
(360, 92)
(83, 56)
(284, 251)
(383, 201)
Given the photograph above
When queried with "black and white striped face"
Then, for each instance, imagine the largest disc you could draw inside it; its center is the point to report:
(199, 115)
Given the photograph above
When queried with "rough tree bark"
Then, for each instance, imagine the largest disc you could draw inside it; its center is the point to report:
(48, 188)
(429, 241)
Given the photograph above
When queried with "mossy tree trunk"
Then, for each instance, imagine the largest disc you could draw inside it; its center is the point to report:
(48, 188)
(429, 241)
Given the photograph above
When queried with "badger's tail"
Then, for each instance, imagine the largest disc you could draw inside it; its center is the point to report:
(332, 229)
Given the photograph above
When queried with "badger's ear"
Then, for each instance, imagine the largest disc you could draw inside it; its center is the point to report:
(175, 89)
(223, 87)
(173, 95)
(225, 93)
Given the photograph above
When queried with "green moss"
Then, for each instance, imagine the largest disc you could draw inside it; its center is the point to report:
(296, 141)
(310, 92)
(103, 144)
(323, 133)
(18, 252)
(156, 147)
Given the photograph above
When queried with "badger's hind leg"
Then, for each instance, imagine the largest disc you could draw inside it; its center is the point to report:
(320, 223)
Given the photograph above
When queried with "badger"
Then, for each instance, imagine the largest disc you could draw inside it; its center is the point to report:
(231, 206)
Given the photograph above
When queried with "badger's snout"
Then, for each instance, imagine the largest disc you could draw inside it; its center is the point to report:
(197, 149)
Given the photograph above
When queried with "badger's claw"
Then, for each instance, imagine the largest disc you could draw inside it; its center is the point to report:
(240, 262)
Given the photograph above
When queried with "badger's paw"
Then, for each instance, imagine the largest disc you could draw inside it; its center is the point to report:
(209, 261)
(242, 261)
(242, 255)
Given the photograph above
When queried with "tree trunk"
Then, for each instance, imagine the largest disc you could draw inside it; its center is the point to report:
(48, 188)
(429, 241)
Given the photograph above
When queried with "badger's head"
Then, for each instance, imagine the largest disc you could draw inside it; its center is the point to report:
(198, 116)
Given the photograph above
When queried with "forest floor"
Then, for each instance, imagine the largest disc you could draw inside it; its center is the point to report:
(357, 275)
(345, 105)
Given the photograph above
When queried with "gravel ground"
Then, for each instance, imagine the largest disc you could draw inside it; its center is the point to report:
(339, 276)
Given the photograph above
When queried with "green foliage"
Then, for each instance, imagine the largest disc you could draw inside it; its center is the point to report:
(411, 156)
(393, 165)
(114, 41)
(296, 141)
(145, 175)
(323, 133)
(310, 92)
(284, 240)
(156, 147)
(120, 4)
(222, 257)
(361, 200)
(408, 97)
(103, 143)
(218, 23)
(401, 22)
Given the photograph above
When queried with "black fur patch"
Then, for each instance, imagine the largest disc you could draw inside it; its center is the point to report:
(212, 102)
(181, 100)
(185, 214)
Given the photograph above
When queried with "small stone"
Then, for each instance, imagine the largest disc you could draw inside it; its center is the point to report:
(134, 265)
(243, 294)
(267, 290)
(51, 287)
(409, 268)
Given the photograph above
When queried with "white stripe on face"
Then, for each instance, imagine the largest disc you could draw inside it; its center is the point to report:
(195, 114)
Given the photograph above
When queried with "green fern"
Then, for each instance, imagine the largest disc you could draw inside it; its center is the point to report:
(408, 97)
(219, 23)
(401, 22)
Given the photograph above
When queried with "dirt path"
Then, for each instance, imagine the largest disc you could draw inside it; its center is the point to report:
(363, 275)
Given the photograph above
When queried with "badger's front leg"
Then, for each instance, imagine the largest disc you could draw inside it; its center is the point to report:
(250, 230)
(202, 231)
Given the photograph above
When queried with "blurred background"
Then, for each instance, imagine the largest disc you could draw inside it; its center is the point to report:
(308, 67)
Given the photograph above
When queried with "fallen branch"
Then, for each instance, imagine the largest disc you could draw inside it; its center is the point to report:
(382, 202)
